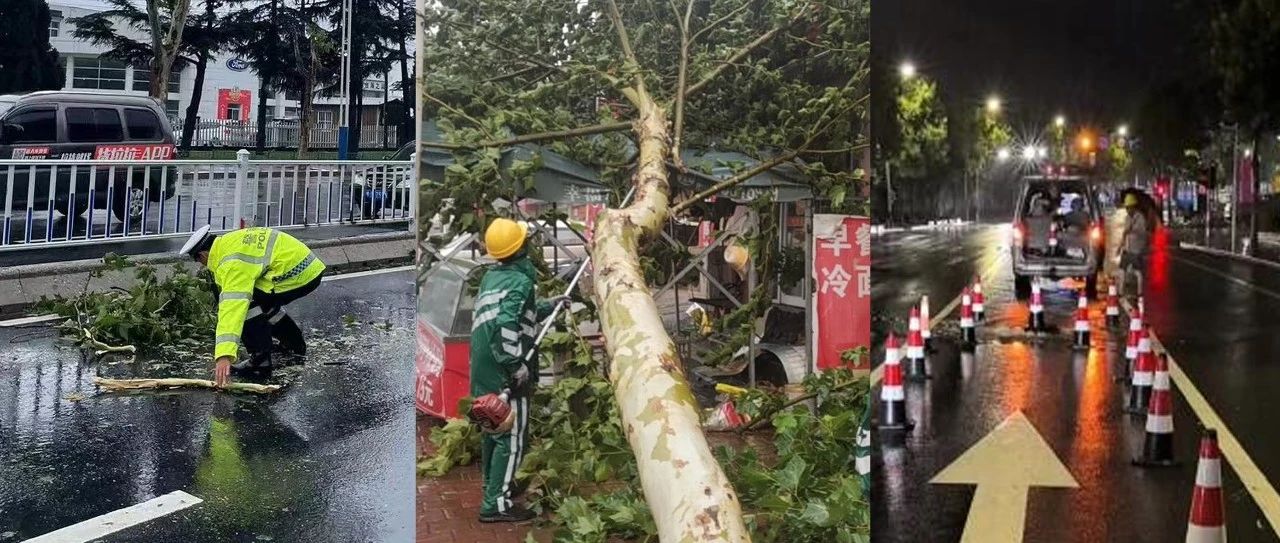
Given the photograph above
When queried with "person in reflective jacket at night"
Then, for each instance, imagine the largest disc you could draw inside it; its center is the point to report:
(256, 272)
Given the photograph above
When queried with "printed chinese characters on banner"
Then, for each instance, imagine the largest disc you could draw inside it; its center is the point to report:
(842, 274)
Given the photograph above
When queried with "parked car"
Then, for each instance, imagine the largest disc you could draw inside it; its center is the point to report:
(58, 126)
(1057, 232)
(380, 193)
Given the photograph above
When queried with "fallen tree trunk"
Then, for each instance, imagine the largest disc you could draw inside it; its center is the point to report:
(687, 492)
(125, 385)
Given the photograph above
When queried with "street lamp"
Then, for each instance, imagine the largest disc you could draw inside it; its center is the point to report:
(993, 104)
(1123, 130)
(1041, 152)
(1059, 121)
(1029, 153)
(907, 70)
(1002, 154)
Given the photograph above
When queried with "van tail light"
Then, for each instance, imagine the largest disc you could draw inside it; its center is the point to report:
(1095, 233)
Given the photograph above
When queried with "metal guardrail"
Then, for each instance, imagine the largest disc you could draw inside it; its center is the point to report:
(46, 203)
(225, 133)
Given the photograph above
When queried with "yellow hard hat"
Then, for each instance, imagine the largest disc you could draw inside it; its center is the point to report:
(1130, 200)
(504, 237)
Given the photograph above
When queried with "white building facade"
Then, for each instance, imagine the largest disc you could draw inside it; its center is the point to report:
(230, 87)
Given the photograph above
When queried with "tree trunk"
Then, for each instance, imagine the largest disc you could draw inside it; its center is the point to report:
(306, 99)
(261, 118)
(165, 43)
(406, 86)
(193, 108)
(688, 493)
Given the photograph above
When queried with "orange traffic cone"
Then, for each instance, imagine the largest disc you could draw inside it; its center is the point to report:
(893, 409)
(979, 309)
(968, 335)
(1113, 306)
(1157, 448)
(1131, 348)
(915, 347)
(1207, 521)
(1082, 321)
(1143, 375)
(1035, 319)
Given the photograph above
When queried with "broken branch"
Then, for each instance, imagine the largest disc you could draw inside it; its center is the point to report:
(125, 385)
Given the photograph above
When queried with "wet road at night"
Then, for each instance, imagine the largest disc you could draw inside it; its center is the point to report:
(1214, 316)
(327, 459)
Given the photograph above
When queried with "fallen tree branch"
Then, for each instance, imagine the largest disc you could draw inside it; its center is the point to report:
(533, 138)
(798, 400)
(125, 385)
(100, 348)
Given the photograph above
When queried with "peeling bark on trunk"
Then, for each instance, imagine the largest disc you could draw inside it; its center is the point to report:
(688, 493)
(125, 385)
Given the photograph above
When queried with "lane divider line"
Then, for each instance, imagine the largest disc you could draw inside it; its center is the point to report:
(1231, 278)
(29, 320)
(120, 519)
(1261, 489)
(1229, 254)
(367, 273)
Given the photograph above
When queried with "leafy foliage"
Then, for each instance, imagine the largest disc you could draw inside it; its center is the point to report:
(457, 443)
(923, 121)
(155, 312)
(27, 60)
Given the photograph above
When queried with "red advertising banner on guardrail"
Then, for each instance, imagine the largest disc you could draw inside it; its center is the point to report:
(842, 293)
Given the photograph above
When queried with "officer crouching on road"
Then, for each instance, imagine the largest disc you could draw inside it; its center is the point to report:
(502, 337)
(256, 272)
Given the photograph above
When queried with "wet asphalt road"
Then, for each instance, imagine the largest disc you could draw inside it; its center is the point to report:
(1219, 331)
(329, 458)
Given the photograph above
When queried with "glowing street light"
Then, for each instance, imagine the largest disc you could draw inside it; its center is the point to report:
(907, 70)
(993, 104)
(1041, 152)
(1028, 153)
(1059, 121)
(1002, 154)
(1123, 130)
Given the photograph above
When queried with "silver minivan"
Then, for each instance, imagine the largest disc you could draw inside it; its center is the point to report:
(1057, 232)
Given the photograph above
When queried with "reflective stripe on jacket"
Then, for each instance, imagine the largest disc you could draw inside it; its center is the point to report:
(503, 327)
(254, 258)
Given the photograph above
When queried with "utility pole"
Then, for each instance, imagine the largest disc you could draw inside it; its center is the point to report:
(1235, 182)
(888, 186)
(344, 112)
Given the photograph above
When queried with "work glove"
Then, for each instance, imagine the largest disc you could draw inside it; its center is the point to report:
(521, 376)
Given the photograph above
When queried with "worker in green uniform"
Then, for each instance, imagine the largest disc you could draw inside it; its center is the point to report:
(256, 272)
(504, 357)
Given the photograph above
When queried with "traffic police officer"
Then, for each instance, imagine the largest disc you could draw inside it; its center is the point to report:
(256, 272)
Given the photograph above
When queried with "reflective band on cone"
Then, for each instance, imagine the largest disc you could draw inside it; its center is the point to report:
(1131, 348)
(915, 347)
(893, 412)
(1113, 306)
(979, 310)
(1207, 521)
(926, 331)
(1157, 448)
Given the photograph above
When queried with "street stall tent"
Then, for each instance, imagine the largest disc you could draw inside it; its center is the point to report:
(444, 299)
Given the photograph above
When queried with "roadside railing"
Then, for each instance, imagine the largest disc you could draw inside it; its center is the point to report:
(47, 203)
(283, 134)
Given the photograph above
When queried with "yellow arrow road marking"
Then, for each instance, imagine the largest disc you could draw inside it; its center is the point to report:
(1004, 465)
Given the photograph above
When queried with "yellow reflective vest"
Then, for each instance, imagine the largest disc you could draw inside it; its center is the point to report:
(254, 258)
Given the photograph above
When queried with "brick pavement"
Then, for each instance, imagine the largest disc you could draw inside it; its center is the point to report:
(448, 507)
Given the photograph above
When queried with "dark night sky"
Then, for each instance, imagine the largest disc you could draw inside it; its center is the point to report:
(1090, 59)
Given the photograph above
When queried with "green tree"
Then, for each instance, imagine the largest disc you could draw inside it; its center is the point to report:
(27, 60)
(114, 28)
(922, 141)
(627, 88)
(980, 136)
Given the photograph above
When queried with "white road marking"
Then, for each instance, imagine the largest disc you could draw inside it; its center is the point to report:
(367, 273)
(1263, 493)
(120, 519)
(29, 320)
(1229, 254)
(1233, 279)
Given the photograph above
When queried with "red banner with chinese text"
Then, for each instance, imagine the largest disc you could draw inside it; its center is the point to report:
(842, 293)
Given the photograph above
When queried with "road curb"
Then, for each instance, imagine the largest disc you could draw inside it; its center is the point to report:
(1229, 254)
(23, 286)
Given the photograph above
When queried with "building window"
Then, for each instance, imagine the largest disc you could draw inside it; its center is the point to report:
(55, 22)
(142, 80)
(172, 109)
(324, 118)
(233, 112)
(291, 113)
(97, 73)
